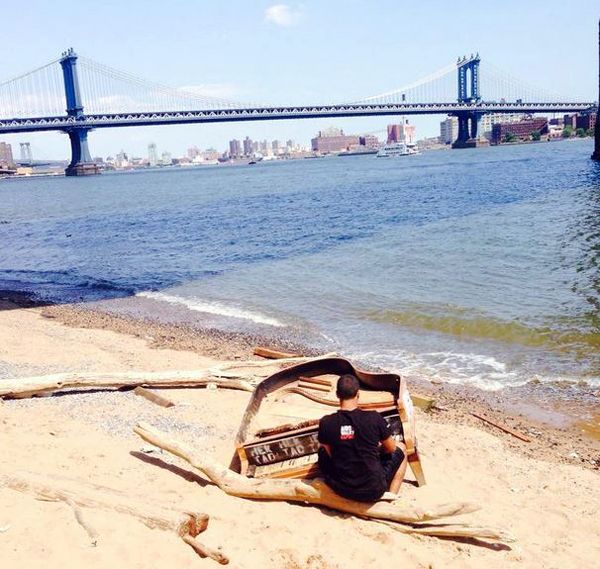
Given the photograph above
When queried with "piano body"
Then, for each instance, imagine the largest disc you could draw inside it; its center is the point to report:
(278, 434)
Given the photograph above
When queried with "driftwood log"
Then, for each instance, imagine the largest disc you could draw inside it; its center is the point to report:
(228, 375)
(309, 491)
(88, 495)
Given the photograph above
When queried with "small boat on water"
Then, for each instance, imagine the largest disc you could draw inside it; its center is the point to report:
(398, 149)
(278, 434)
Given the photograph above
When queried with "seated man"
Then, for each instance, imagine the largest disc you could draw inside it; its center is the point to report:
(358, 456)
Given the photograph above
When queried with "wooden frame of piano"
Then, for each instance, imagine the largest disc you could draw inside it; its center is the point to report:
(286, 380)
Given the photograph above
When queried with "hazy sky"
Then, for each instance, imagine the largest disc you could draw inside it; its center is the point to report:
(293, 52)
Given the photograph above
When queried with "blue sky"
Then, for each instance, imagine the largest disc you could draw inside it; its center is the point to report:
(292, 52)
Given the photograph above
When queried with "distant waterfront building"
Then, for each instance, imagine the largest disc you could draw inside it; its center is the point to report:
(122, 160)
(521, 130)
(166, 159)
(369, 140)
(6, 156)
(276, 146)
(152, 154)
(402, 132)
(487, 122)
(193, 152)
(449, 130)
(235, 148)
(586, 120)
(570, 120)
(333, 140)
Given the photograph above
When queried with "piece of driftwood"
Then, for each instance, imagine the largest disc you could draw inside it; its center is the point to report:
(92, 533)
(33, 386)
(205, 551)
(508, 430)
(153, 397)
(309, 491)
(227, 375)
(88, 495)
(454, 530)
(272, 354)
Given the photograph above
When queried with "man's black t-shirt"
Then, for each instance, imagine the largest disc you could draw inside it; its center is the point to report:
(355, 471)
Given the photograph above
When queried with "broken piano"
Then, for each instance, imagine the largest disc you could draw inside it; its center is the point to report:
(278, 434)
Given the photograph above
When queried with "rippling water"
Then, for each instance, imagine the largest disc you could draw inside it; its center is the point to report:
(475, 266)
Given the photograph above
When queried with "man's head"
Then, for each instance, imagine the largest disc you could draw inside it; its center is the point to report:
(347, 387)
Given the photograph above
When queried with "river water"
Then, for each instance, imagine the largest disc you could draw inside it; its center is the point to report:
(478, 266)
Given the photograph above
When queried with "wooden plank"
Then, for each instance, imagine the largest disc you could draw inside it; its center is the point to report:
(314, 386)
(316, 380)
(272, 354)
(154, 397)
(508, 430)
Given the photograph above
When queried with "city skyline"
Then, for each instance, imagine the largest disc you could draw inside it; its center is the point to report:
(291, 60)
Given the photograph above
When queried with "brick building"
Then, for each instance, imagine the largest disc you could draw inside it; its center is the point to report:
(522, 130)
(333, 140)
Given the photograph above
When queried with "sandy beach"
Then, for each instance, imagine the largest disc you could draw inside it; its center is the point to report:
(545, 493)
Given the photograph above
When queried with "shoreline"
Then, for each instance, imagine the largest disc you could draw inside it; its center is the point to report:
(560, 428)
(83, 440)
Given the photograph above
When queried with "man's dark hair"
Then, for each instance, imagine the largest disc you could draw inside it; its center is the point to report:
(347, 387)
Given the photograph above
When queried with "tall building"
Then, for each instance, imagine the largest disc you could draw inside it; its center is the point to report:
(26, 157)
(6, 157)
(449, 130)
(248, 146)
(152, 154)
(235, 148)
(276, 146)
(166, 159)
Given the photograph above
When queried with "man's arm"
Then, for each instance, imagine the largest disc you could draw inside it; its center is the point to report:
(326, 447)
(388, 445)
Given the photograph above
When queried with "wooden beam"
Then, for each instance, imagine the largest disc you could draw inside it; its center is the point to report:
(154, 397)
(273, 354)
(508, 430)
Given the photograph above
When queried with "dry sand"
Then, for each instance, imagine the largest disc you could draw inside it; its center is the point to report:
(553, 509)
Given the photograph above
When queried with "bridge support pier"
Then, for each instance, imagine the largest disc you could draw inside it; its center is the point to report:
(81, 162)
(468, 126)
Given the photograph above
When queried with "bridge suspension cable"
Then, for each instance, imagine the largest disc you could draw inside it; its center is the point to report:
(427, 87)
(108, 90)
(39, 92)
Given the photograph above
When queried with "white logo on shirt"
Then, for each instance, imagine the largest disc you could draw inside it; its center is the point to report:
(346, 432)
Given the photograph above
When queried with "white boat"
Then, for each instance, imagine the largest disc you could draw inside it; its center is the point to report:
(398, 149)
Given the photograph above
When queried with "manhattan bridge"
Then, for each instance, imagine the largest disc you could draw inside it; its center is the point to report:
(75, 95)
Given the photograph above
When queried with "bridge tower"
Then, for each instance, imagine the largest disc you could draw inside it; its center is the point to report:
(596, 154)
(468, 92)
(81, 162)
